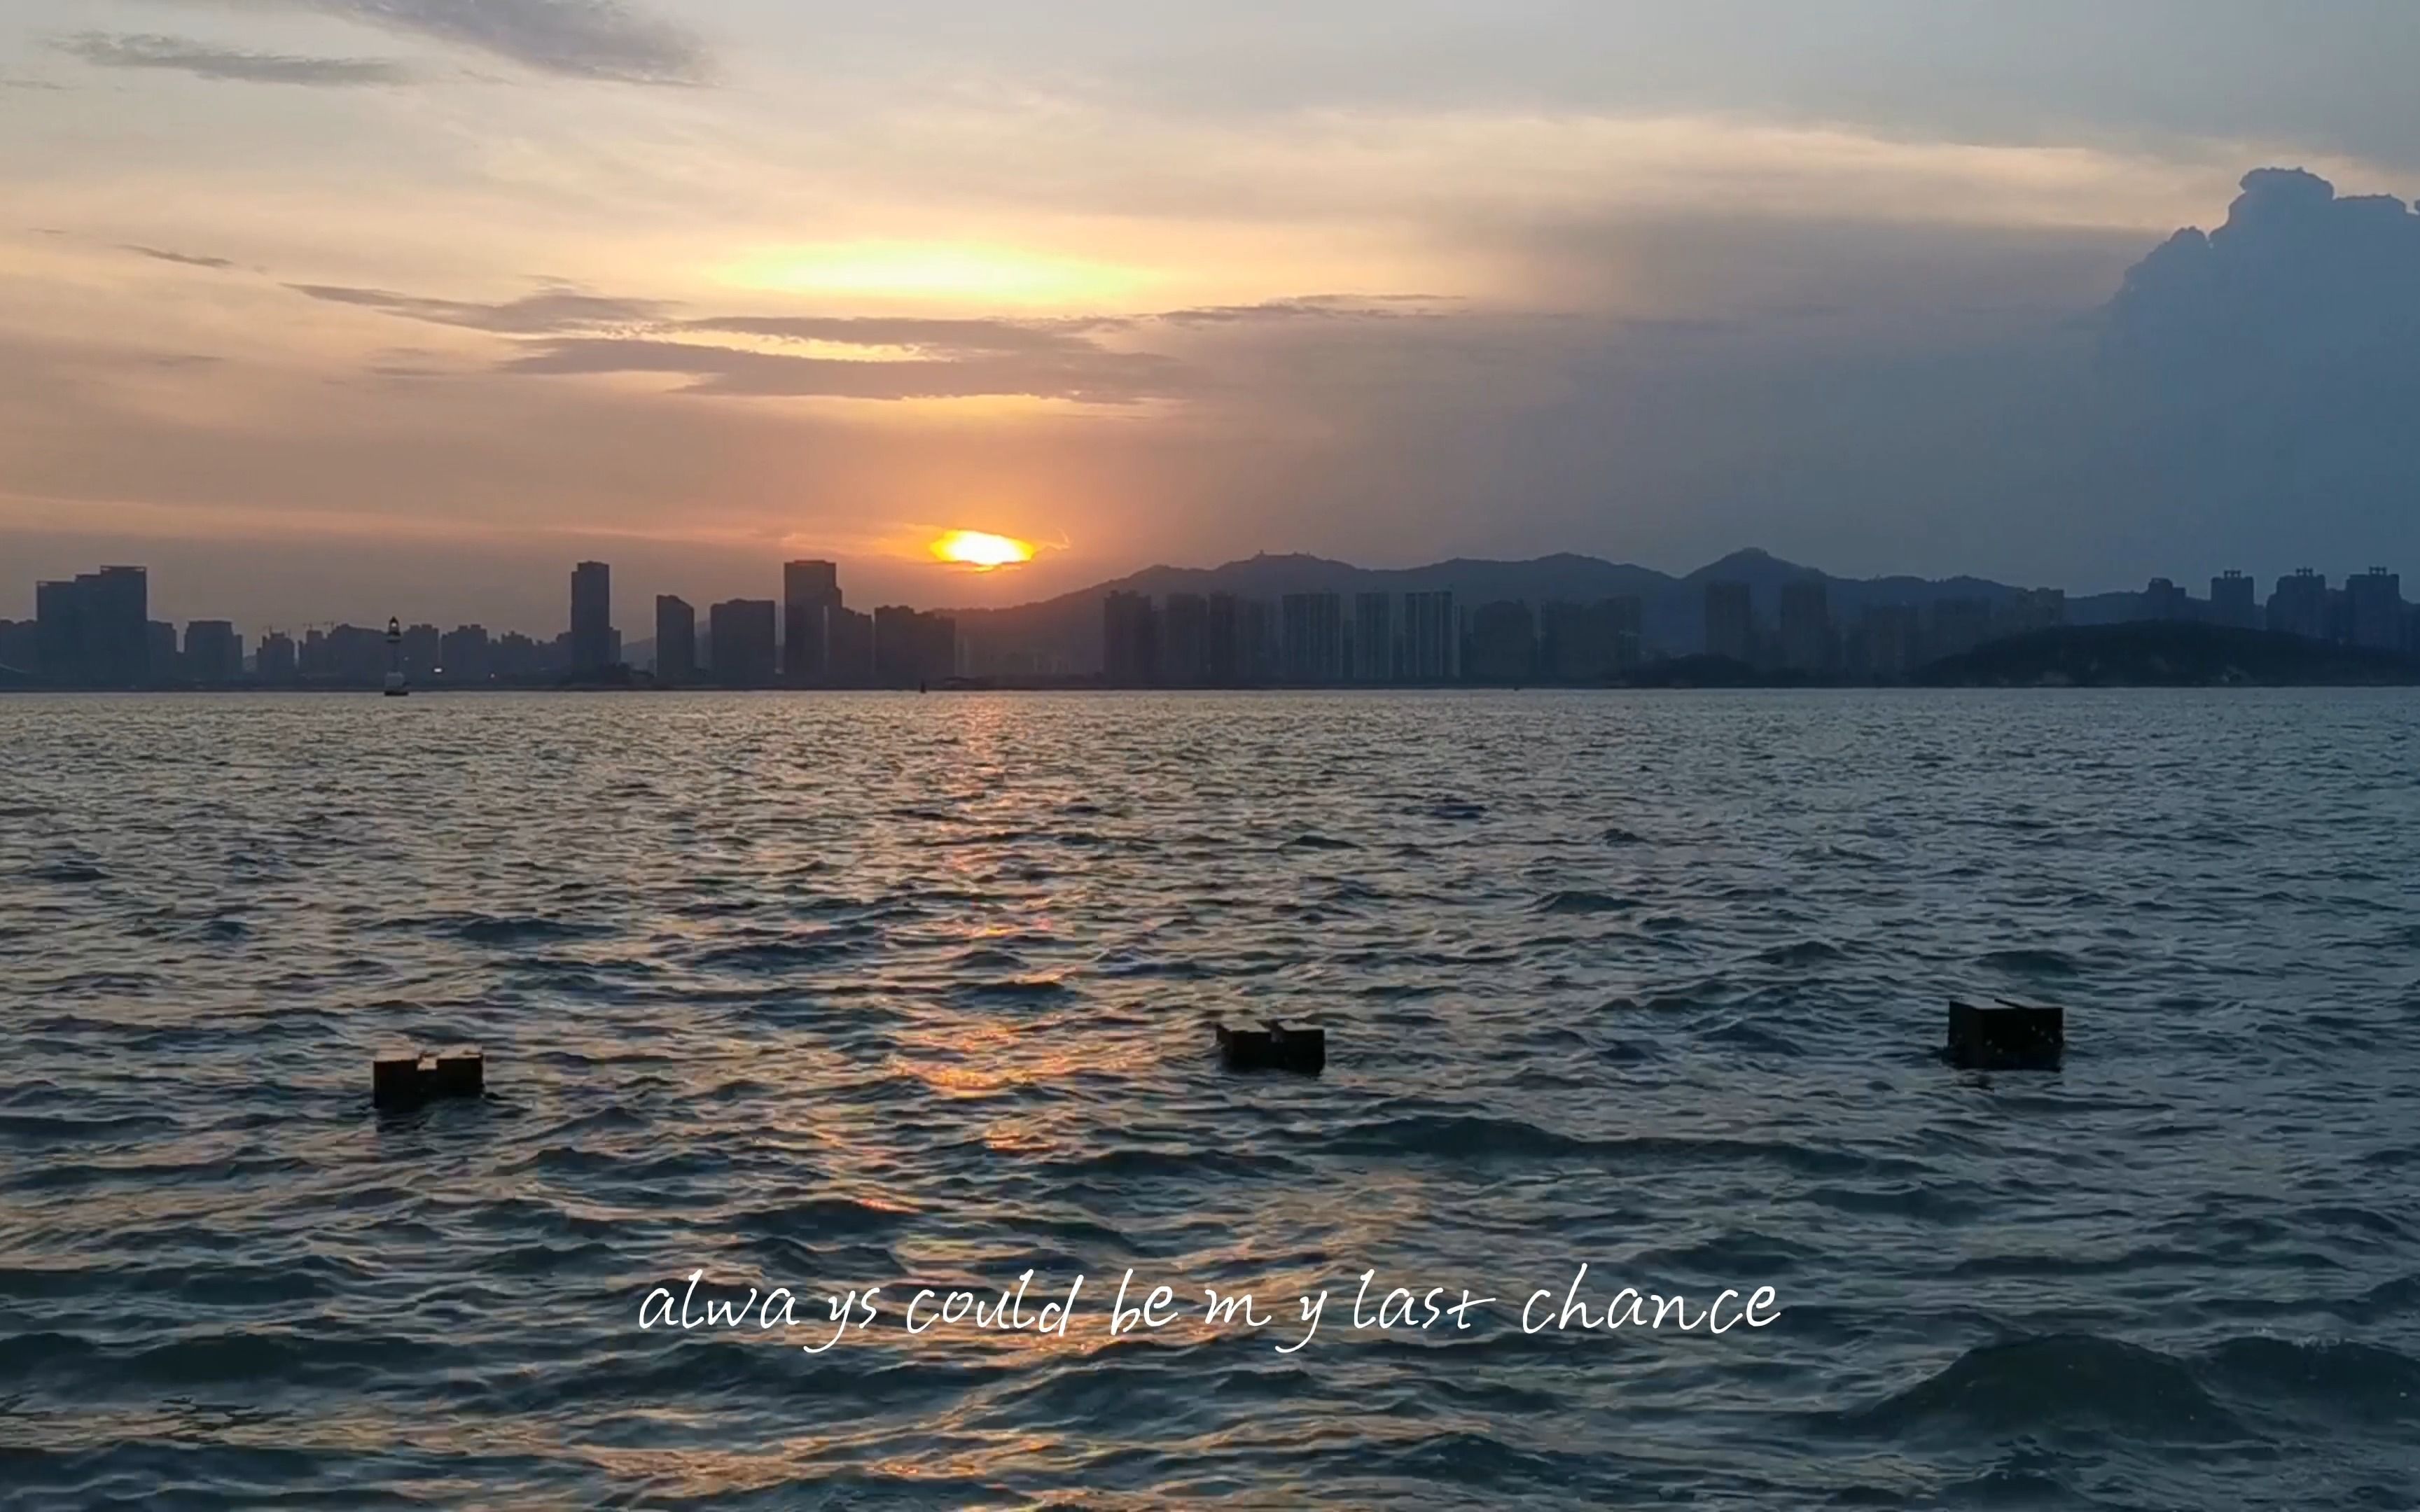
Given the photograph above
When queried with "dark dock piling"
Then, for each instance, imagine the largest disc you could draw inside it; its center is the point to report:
(2005, 1036)
(1275, 1048)
(408, 1078)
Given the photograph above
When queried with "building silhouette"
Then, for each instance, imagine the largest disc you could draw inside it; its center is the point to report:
(1222, 641)
(593, 648)
(2164, 600)
(2300, 605)
(273, 663)
(1503, 645)
(745, 648)
(2235, 599)
(912, 648)
(2374, 609)
(95, 630)
(1432, 638)
(465, 655)
(848, 647)
(1888, 644)
(1807, 642)
(1311, 635)
(1731, 622)
(810, 591)
(1955, 626)
(213, 652)
(676, 640)
(1185, 640)
(1373, 657)
(1129, 640)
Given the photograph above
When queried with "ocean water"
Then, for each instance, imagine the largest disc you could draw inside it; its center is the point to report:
(829, 992)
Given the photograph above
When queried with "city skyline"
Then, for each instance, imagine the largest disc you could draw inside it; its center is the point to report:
(1749, 609)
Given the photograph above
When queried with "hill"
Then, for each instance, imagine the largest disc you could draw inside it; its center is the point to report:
(1064, 633)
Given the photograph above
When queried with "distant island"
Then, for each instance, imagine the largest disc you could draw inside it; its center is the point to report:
(2168, 654)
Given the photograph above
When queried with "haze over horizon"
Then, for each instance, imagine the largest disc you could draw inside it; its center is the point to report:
(317, 306)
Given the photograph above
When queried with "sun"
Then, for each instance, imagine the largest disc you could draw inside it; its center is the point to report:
(981, 550)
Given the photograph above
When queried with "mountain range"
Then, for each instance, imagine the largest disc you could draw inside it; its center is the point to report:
(1065, 632)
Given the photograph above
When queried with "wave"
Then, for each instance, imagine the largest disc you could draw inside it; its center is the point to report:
(1577, 901)
(2075, 1381)
(2032, 963)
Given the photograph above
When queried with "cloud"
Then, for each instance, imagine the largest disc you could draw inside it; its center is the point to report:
(2264, 374)
(933, 336)
(2296, 275)
(186, 259)
(1311, 306)
(601, 39)
(550, 312)
(1085, 375)
(147, 51)
(594, 334)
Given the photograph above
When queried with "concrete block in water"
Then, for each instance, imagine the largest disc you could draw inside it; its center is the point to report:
(2006, 1037)
(1275, 1048)
(408, 1078)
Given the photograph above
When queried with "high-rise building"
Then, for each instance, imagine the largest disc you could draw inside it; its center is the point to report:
(2300, 605)
(2030, 610)
(592, 618)
(2164, 600)
(1628, 612)
(1257, 660)
(58, 631)
(1222, 641)
(273, 663)
(913, 649)
(1731, 622)
(1588, 643)
(746, 653)
(465, 656)
(96, 630)
(1432, 638)
(1807, 640)
(160, 662)
(1129, 640)
(424, 652)
(20, 648)
(1503, 644)
(676, 640)
(1185, 640)
(1374, 638)
(2374, 609)
(1890, 642)
(848, 647)
(1312, 631)
(1957, 626)
(810, 591)
(213, 652)
(2235, 599)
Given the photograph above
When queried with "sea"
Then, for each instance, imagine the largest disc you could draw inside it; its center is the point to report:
(918, 993)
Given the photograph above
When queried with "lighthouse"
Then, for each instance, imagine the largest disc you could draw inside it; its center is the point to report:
(396, 688)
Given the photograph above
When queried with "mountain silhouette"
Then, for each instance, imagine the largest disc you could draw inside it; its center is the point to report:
(1066, 630)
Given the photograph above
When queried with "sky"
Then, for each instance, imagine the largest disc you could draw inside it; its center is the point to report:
(337, 309)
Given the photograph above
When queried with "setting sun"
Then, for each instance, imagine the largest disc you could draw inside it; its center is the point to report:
(981, 550)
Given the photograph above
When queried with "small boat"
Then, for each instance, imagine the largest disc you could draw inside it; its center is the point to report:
(396, 685)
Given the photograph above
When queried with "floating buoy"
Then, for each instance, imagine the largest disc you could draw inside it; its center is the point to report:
(408, 1078)
(1275, 1048)
(2006, 1036)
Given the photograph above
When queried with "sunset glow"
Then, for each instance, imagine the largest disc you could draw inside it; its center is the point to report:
(981, 550)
